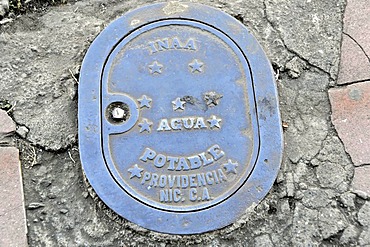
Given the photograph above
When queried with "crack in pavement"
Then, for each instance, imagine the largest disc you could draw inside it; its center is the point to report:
(363, 165)
(354, 40)
(351, 83)
(293, 52)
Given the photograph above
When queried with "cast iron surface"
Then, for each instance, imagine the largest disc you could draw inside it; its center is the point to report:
(179, 124)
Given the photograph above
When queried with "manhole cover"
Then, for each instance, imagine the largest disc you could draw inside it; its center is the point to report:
(179, 124)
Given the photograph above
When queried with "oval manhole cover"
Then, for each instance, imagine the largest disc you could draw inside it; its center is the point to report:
(179, 124)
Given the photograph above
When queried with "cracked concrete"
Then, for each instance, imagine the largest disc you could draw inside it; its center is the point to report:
(311, 202)
(313, 29)
(349, 99)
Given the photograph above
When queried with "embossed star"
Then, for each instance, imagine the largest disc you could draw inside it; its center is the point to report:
(155, 67)
(178, 104)
(214, 122)
(135, 171)
(212, 98)
(230, 167)
(144, 101)
(145, 125)
(196, 65)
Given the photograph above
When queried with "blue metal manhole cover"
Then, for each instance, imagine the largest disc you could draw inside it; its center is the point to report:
(179, 124)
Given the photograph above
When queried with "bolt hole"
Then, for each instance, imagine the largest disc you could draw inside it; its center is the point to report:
(117, 112)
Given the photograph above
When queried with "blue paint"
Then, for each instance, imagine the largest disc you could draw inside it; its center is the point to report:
(200, 51)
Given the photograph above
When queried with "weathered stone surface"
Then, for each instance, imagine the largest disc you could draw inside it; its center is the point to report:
(363, 215)
(306, 107)
(295, 67)
(44, 90)
(7, 126)
(326, 218)
(357, 22)
(349, 235)
(13, 227)
(351, 116)
(4, 7)
(22, 131)
(348, 200)
(334, 169)
(355, 57)
(263, 241)
(316, 41)
(364, 238)
(354, 64)
(331, 180)
(361, 179)
(304, 227)
(315, 198)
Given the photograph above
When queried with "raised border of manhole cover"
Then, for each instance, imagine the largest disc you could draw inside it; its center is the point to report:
(270, 153)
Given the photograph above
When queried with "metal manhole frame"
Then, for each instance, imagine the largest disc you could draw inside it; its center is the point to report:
(266, 98)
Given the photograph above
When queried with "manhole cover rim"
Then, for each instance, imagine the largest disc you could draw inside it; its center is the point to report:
(270, 155)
